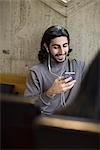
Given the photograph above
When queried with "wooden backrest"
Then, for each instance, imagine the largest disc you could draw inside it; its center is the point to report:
(17, 80)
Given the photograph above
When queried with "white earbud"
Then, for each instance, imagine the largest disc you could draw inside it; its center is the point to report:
(46, 48)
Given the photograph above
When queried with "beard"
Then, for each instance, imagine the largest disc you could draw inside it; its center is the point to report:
(59, 58)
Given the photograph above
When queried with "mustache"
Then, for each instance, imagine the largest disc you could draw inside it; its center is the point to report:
(59, 54)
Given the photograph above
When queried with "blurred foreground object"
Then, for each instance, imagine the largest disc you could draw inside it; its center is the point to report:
(62, 132)
(17, 122)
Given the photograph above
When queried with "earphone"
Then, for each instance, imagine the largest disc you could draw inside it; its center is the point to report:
(46, 48)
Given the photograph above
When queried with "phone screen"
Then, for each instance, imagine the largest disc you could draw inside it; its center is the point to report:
(69, 74)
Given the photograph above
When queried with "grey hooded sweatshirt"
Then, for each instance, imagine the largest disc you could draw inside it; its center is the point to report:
(41, 78)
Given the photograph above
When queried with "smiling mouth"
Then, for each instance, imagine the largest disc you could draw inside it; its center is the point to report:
(60, 54)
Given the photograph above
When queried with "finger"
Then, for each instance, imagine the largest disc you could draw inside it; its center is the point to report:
(68, 79)
(70, 86)
(70, 83)
(61, 78)
(66, 88)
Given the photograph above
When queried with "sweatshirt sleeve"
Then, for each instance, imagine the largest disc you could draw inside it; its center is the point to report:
(34, 90)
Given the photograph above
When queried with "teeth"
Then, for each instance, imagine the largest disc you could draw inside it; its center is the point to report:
(60, 54)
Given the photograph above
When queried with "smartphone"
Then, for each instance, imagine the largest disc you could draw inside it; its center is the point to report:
(69, 74)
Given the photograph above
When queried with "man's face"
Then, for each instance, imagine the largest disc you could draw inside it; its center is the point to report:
(59, 48)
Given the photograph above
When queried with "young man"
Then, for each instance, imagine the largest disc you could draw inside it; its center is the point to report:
(49, 83)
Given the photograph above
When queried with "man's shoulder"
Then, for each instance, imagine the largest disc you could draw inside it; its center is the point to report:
(78, 62)
(38, 66)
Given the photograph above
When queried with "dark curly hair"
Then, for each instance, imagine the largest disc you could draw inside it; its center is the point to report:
(51, 33)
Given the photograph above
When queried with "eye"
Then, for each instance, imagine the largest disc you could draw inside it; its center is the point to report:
(55, 47)
(65, 45)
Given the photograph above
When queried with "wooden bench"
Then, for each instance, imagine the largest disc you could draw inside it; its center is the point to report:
(65, 132)
(13, 79)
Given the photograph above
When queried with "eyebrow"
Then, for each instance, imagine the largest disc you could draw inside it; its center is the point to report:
(58, 44)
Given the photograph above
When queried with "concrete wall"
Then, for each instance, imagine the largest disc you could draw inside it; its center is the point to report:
(83, 23)
(22, 23)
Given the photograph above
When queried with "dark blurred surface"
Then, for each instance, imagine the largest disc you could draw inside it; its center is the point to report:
(17, 123)
(53, 133)
(6, 88)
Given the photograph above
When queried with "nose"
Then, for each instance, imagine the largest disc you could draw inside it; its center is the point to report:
(62, 50)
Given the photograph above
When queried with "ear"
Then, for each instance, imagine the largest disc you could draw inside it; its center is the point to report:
(45, 45)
